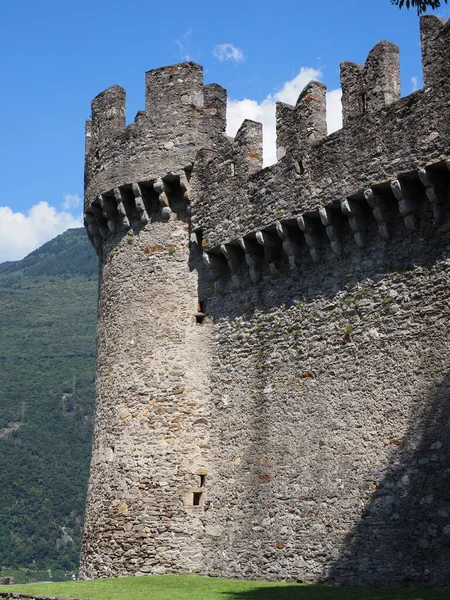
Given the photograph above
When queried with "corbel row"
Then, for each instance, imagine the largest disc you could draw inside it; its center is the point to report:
(107, 214)
(244, 256)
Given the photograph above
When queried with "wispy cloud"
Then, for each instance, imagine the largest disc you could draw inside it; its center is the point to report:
(264, 111)
(71, 202)
(21, 233)
(228, 52)
(183, 43)
(414, 83)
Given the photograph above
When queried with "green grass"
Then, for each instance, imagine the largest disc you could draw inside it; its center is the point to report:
(194, 587)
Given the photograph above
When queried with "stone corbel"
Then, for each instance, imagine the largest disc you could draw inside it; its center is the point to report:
(356, 219)
(433, 197)
(251, 259)
(96, 212)
(311, 239)
(332, 228)
(378, 207)
(212, 264)
(406, 207)
(91, 224)
(234, 264)
(140, 206)
(160, 189)
(185, 186)
(267, 241)
(290, 246)
(108, 213)
(123, 219)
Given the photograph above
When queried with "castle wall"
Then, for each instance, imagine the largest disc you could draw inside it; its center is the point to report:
(330, 439)
(272, 383)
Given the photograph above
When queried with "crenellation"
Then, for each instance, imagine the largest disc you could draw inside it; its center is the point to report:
(108, 113)
(87, 136)
(384, 200)
(434, 38)
(273, 344)
(167, 136)
(299, 127)
(371, 87)
(215, 108)
(352, 85)
(316, 169)
(381, 77)
(175, 89)
(248, 152)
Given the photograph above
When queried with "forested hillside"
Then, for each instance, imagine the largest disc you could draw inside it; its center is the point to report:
(48, 305)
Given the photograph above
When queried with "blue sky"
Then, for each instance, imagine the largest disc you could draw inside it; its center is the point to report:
(56, 56)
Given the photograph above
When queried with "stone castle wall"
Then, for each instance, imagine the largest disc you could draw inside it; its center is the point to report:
(272, 382)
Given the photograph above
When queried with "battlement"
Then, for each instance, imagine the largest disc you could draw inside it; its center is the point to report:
(383, 138)
(181, 116)
(300, 126)
(373, 86)
(414, 202)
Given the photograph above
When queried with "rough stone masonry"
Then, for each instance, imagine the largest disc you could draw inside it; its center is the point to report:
(273, 385)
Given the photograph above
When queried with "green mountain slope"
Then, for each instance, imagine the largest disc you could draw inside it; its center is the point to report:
(48, 304)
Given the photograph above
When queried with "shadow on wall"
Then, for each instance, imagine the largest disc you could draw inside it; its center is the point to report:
(318, 592)
(403, 536)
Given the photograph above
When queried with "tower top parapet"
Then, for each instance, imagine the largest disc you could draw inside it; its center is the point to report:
(181, 116)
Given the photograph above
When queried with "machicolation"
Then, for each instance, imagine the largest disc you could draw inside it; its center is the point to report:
(273, 384)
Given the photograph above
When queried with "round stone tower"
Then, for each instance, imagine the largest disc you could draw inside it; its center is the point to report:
(149, 471)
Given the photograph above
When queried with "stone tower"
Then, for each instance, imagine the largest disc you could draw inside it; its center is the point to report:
(151, 440)
(273, 380)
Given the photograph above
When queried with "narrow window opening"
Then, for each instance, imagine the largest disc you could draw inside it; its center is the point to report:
(200, 314)
(97, 154)
(197, 498)
(232, 169)
(299, 168)
(202, 480)
(199, 237)
(364, 102)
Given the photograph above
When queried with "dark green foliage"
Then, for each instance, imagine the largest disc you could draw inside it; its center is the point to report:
(420, 5)
(48, 307)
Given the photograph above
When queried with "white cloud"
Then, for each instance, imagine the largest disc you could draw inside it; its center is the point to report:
(415, 83)
(334, 110)
(183, 43)
(71, 201)
(238, 110)
(228, 52)
(21, 233)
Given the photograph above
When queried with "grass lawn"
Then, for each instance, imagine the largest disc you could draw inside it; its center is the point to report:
(193, 587)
